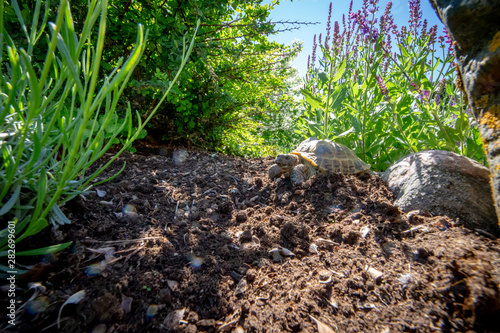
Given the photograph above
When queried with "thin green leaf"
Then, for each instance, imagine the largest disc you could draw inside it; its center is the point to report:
(63, 48)
(20, 19)
(40, 251)
(10, 203)
(33, 83)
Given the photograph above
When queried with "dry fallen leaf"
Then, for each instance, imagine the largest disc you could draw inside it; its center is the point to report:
(226, 327)
(326, 241)
(173, 285)
(364, 231)
(100, 194)
(73, 299)
(126, 303)
(101, 328)
(286, 252)
(241, 287)
(375, 274)
(322, 328)
(206, 322)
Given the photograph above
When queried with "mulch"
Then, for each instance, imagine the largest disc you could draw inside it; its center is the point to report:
(211, 245)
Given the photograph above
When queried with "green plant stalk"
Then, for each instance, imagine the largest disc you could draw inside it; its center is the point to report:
(1, 36)
(34, 27)
(86, 111)
(327, 106)
(67, 126)
(53, 43)
(68, 168)
(396, 119)
(462, 107)
(440, 124)
(20, 148)
(365, 99)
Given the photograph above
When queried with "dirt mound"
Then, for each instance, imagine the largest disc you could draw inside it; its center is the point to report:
(212, 245)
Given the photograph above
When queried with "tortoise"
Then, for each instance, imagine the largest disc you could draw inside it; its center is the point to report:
(315, 156)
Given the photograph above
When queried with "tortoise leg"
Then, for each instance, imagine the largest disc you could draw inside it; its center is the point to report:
(299, 173)
(274, 171)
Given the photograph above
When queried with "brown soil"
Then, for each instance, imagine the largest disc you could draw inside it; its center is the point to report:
(213, 246)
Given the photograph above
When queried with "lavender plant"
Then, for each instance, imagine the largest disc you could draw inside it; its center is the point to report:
(46, 113)
(386, 91)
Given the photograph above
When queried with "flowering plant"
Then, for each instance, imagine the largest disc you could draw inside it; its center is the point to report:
(385, 91)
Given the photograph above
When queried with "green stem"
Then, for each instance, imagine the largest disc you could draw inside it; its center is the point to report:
(327, 106)
(400, 129)
(53, 43)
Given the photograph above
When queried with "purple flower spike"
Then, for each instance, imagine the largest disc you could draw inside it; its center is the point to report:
(441, 85)
(424, 94)
(403, 31)
(415, 14)
(386, 21)
(432, 36)
(383, 88)
(448, 40)
(328, 25)
(313, 60)
(424, 28)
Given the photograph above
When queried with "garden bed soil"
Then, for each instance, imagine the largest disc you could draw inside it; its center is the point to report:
(212, 245)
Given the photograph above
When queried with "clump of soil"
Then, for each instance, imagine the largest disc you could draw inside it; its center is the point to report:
(212, 245)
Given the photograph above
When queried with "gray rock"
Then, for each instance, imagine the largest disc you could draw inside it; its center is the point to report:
(474, 26)
(180, 156)
(444, 183)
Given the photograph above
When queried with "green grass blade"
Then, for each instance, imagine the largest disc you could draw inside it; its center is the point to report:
(40, 251)
(20, 19)
(34, 86)
(66, 54)
(10, 203)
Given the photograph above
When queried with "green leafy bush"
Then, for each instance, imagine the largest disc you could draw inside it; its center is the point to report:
(383, 100)
(56, 116)
(230, 90)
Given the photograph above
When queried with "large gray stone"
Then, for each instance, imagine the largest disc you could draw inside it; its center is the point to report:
(474, 25)
(444, 183)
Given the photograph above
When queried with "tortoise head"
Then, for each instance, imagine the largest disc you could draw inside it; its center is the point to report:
(287, 161)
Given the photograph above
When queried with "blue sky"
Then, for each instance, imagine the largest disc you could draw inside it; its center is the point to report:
(317, 11)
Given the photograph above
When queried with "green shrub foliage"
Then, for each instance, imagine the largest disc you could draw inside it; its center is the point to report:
(236, 87)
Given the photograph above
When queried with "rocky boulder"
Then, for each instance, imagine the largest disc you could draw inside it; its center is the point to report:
(444, 183)
(474, 27)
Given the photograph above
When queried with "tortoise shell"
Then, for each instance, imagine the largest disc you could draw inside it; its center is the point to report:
(328, 156)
